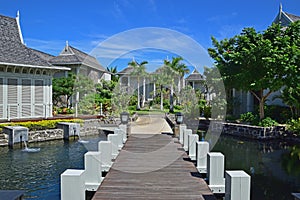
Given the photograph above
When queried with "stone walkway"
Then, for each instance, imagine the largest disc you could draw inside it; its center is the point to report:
(150, 124)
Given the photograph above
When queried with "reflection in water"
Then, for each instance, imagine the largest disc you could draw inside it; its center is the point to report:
(274, 166)
(39, 173)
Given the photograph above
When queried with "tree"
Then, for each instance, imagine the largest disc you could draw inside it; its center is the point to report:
(113, 71)
(139, 71)
(63, 86)
(178, 70)
(252, 61)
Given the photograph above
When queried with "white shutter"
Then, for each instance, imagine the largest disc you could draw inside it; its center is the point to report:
(12, 97)
(38, 98)
(1, 99)
(26, 98)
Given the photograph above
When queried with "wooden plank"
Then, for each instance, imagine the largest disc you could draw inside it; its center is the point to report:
(153, 167)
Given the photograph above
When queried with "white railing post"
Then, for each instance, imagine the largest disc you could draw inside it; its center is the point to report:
(119, 133)
(202, 151)
(72, 185)
(182, 128)
(215, 172)
(93, 172)
(237, 185)
(105, 148)
(113, 138)
(193, 138)
(123, 127)
(186, 134)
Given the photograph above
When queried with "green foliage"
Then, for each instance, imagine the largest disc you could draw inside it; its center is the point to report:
(279, 113)
(248, 117)
(63, 86)
(274, 53)
(267, 122)
(40, 125)
(207, 112)
(88, 106)
(294, 125)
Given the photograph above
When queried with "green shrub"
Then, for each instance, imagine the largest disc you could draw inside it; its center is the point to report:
(207, 111)
(248, 117)
(278, 113)
(40, 125)
(294, 125)
(267, 122)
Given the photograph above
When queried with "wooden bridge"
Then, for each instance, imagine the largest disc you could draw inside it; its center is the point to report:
(153, 166)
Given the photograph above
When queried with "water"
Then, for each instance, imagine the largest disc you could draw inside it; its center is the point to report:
(39, 173)
(274, 166)
(30, 150)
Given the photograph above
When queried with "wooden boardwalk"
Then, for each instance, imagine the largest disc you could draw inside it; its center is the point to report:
(153, 166)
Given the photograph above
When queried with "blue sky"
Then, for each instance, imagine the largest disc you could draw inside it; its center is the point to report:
(46, 25)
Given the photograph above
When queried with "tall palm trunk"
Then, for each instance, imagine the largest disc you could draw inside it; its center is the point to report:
(161, 98)
(171, 100)
(138, 107)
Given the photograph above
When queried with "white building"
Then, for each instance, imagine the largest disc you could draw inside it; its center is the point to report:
(25, 75)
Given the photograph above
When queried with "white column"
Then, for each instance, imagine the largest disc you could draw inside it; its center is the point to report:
(104, 147)
(237, 185)
(113, 138)
(123, 127)
(154, 90)
(119, 133)
(182, 128)
(193, 138)
(202, 150)
(93, 172)
(72, 185)
(215, 172)
(186, 134)
(144, 92)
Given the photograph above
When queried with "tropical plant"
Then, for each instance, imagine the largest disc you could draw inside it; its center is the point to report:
(139, 71)
(113, 71)
(239, 59)
(180, 69)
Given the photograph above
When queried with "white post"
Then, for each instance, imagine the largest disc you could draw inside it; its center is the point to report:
(202, 150)
(182, 128)
(186, 139)
(215, 172)
(193, 138)
(113, 138)
(119, 133)
(237, 185)
(72, 185)
(105, 148)
(123, 127)
(93, 172)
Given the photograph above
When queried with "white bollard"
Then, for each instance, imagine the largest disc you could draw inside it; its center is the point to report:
(119, 133)
(123, 127)
(113, 138)
(93, 172)
(202, 150)
(237, 185)
(104, 147)
(215, 172)
(72, 185)
(182, 128)
(193, 138)
(186, 134)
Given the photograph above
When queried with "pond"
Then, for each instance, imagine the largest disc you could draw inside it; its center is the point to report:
(274, 166)
(38, 173)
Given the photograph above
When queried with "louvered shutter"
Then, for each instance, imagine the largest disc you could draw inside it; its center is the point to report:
(12, 97)
(39, 98)
(26, 98)
(1, 99)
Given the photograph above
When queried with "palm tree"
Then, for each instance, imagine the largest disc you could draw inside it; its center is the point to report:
(180, 70)
(139, 71)
(113, 71)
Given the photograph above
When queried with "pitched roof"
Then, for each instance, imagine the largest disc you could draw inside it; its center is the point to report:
(293, 17)
(195, 76)
(73, 56)
(128, 70)
(12, 50)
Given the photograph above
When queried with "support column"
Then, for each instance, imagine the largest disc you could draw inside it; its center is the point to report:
(186, 134)
(215, 172)
(182, 128)
(193, 138)
(105, 148)
(93, 172)
(72, 185)
(237, 185)
(202, 151)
